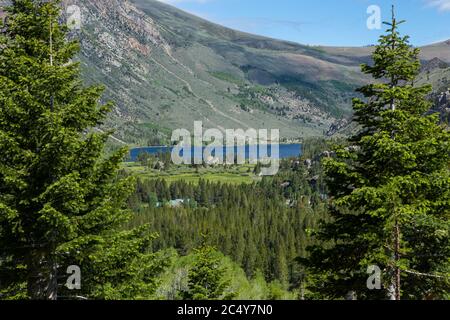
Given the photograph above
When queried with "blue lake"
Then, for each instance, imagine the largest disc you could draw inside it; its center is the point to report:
(285, 151)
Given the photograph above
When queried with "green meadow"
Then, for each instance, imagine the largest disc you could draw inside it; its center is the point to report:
(238, 174)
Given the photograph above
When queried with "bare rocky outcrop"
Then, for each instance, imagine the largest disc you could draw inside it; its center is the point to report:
(442, 106)
(434, 64)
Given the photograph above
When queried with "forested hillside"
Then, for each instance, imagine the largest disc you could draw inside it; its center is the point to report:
(262, 226)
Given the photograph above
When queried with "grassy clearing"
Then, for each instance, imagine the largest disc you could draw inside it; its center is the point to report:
(232, 175)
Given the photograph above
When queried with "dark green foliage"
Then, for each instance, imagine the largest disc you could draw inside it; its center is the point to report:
(262, 226)
(390, 189)
(60, 201)
(206, 278)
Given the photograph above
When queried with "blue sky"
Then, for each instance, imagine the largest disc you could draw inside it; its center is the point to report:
(324, 22)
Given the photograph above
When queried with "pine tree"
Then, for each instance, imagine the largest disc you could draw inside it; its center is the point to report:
(60, 200)
(207, 278)
(389, 187)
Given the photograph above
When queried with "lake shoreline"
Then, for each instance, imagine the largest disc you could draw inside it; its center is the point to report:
(285, 150)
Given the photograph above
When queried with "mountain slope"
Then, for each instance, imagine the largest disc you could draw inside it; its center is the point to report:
(165, 69)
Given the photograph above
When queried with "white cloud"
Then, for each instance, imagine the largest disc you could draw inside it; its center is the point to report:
(442, 5)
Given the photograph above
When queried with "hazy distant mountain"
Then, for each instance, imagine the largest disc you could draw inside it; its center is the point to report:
(166, 68)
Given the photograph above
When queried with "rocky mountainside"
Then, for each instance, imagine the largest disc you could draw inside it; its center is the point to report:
(165, 69)
(442, 106)
(437, 73)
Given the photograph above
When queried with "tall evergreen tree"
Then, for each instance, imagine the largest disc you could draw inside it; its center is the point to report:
(206, 279)
(60, 201)
(390, 187)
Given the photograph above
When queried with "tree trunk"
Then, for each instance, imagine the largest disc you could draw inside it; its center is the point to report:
(391, 291)
(302, 291)
(351, 295)
(42, 276)
(397, 259)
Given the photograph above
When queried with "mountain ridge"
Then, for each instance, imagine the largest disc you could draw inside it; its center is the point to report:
(166, 68)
